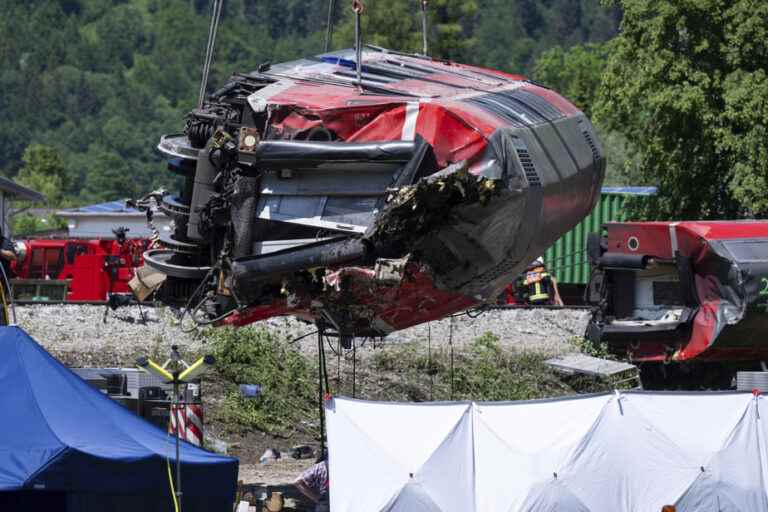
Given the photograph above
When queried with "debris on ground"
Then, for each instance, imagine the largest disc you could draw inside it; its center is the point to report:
(270, 455)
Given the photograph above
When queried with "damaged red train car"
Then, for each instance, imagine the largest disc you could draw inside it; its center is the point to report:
(682, 292)
(418, 191)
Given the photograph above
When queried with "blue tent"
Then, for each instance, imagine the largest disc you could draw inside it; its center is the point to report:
(66, 446)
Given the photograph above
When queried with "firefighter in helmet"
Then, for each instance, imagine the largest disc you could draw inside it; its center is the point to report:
(537, 287)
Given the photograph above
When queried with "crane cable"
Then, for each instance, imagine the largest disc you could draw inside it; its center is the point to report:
(354, 367)
(424, 27)
(329, 25)
(358, 8)
(212, 31)
(322, 375)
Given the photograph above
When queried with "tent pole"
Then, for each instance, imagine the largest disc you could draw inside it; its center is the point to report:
(320, 336)
(354, 367)
(450, 344)
(178, 428)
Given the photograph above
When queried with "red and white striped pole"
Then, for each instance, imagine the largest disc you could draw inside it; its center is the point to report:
(190, 417)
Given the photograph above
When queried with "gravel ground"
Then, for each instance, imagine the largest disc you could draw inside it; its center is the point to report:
(541, 330)
(79, 336)
(276, 472)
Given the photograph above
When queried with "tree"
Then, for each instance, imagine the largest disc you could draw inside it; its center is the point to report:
(110, 177)
(575, 73)
(44, 171)
(107, 77)
(686, 83)
(396, 24)
(512, 34)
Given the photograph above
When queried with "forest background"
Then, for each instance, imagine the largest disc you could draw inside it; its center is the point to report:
(677, 88)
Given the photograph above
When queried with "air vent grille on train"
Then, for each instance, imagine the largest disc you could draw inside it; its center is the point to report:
(526, 162)
(591, 142)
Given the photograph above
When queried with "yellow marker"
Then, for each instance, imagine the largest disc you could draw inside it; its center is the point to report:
(151, 366)
(198, 367)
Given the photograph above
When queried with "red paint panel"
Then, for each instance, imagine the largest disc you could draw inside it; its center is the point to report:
(653, 239)
(453, 139)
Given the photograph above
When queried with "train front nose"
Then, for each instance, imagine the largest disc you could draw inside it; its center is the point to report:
(533, 184)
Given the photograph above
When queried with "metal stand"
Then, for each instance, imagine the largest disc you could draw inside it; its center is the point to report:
(175, 406)
(320, 394)
(180, 373)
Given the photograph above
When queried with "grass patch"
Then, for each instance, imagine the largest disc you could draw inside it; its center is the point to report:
(252, 355)
(484, 371)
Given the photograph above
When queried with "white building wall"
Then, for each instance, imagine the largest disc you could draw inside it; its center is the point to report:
(101, 226)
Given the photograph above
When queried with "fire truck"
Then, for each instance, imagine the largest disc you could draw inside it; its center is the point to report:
(89, 270)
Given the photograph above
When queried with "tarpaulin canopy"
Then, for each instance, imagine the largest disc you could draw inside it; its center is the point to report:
(59, 435)
(628, 452)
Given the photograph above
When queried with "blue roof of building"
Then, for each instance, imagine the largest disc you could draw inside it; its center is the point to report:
(631, 191)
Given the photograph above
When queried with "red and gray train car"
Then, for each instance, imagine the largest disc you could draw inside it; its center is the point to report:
(373, 204)
(675, 296)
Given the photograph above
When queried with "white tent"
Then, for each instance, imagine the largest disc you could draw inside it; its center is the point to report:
(629, 452)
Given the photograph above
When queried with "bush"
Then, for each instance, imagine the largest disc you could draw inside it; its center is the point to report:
(486, 371)
(490, 372)
(252, 355)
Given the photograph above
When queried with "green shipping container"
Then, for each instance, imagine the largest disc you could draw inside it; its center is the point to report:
(567, 259)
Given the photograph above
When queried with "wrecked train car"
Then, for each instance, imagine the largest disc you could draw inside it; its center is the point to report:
(681, 291)
(372, 205)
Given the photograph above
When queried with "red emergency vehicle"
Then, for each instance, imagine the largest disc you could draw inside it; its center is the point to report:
(94, 268)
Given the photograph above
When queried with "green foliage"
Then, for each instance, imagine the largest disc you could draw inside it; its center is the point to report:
(490, 373)
(485, 370)
(397, 24)
(686, 82)
(575, 73)
(252, 355)
(585, 346)
(99, 81)
(511, 35)
(44, 171)
(26, 224)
